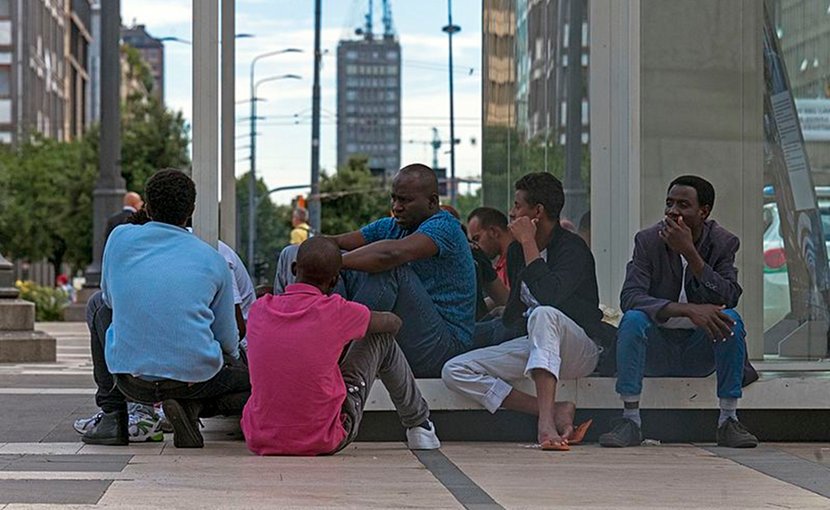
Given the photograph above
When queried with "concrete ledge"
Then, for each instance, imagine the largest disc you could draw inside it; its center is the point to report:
(794, 390)
(16, 315)
(26, 346)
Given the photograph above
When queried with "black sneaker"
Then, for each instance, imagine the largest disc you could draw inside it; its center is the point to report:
(733, 434)
(625, 433)
(111, 430)
(184, 416)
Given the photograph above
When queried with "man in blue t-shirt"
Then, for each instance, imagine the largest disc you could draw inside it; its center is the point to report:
(418, 265)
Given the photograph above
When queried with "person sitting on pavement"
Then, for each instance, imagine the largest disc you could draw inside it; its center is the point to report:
(303, 400)
(487, 228)
(179, 346)
(490, 239)
(418, 265)
(554, 300)
(678, 299)
(147, 422)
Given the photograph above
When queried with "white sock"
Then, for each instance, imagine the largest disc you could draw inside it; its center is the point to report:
(633, 414)
(728, 409)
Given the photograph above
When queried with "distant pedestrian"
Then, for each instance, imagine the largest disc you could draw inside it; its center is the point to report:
(132, 203)
(300, 229)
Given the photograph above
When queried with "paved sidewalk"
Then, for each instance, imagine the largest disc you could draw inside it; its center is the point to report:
(43, 463)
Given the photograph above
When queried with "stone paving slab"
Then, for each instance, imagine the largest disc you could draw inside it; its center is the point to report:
(52, 491)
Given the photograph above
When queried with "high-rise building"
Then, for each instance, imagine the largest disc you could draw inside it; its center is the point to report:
(525, 93)
(152, 52)
(43, 68)
(369, 98)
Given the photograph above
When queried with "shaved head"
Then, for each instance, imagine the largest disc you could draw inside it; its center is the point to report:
(422, 175)
(133, 200)
(318, 261)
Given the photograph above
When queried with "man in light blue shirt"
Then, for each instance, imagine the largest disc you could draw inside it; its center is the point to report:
(418, 265)
(173, 335)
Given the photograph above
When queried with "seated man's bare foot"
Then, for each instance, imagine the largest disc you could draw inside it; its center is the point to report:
(547, 433)
(563, 418)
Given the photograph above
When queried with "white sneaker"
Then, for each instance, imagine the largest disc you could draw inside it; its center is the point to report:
(419, 438)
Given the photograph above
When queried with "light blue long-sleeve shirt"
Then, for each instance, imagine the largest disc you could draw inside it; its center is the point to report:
(172, 300)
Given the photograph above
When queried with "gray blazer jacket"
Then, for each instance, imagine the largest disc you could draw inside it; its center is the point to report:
(653, 276)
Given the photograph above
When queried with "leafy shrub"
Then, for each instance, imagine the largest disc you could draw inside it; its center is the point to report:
(49, 302)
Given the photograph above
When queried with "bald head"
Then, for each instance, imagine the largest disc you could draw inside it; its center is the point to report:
(421, 175)
(133, 199)
(318, 263)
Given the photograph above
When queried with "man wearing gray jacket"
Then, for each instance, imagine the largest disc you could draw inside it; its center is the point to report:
(678, 299)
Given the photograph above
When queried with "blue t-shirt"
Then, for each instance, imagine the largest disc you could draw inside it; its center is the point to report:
(448, 277)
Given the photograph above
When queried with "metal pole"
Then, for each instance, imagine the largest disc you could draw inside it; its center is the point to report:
(576, 202)
(227, 211)
(110, 187)
(451, 29)
(252, 176)
(314, 200)
(252, 180)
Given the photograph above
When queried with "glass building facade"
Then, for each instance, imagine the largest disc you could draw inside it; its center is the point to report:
(737, 92)
(526, 85)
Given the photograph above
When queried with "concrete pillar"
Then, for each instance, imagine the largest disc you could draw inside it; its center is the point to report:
(206, 119)
(677, 88)
(615, 139)
(227, 209)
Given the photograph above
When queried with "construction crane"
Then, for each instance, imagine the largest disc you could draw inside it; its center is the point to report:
(436, 143)
(367, 31)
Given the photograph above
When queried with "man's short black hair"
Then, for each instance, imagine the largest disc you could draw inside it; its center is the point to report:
(704, 188)
(318, 260)
(171, 196)
(489, 217)
(543, 188)
(424, 175)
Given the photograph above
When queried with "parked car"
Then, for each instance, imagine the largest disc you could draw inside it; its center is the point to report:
(776, 279)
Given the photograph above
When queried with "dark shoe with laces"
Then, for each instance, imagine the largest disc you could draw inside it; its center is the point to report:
(184, 417)
(111, 430)
(733, 434)
(624, 433)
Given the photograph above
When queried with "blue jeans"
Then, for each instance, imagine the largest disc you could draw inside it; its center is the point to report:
(644, 349)
(225, 393)
(494, 332)
(425, 338)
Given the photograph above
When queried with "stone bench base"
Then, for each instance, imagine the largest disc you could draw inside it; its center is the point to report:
(795, 390)
(26, 346)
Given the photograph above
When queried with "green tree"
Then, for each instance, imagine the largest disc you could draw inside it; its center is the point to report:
(273, 226)
(46, 192)
(47, 201)
(152, 137)
(351, 198)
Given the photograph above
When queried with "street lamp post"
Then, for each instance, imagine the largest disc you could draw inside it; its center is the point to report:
(252, 176)
(451, 29)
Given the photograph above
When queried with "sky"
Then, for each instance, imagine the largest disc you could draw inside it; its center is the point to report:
(283, 148)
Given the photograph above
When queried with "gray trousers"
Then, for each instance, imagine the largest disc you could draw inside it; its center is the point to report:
(379, 357)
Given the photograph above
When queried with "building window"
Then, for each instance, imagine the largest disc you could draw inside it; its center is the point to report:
(5, 137)
(5, 9)
(5, 111)
(5, 33)
(5, 81)
(351, 55)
